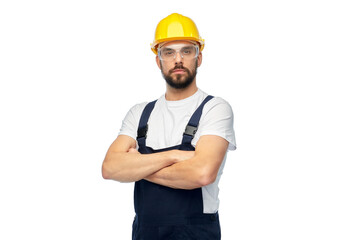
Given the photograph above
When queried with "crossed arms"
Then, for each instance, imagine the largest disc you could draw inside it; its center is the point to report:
(174, 168)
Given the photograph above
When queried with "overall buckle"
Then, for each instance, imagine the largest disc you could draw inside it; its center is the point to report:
(190, 130)
(142, 132)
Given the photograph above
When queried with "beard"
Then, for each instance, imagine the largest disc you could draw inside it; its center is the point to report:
(180, 81)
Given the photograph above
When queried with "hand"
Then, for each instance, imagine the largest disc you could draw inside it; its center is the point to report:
(133, 150)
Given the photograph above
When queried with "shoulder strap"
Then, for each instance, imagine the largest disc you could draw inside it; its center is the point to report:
(193, 123)
(143, 124)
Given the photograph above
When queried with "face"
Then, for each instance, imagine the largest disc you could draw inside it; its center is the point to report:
(179, 70)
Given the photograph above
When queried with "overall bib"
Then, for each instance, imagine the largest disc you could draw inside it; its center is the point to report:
(164, 213)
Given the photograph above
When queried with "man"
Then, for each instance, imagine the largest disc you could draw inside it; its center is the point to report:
(174, 148)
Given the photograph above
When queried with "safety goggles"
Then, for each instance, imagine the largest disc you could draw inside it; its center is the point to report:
(186, 51)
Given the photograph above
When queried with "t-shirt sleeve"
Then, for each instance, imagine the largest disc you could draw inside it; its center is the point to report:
(131, 120)
(217, 119)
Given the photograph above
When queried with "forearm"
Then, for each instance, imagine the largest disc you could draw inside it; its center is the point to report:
(184, 175)
(198, 171)
(129, 167)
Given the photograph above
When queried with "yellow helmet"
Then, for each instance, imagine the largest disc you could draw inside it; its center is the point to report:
(176, 27)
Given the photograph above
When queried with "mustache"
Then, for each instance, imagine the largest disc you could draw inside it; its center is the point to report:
(179, 67)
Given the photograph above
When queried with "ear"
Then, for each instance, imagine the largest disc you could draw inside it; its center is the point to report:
(200, 59)
(158, 61)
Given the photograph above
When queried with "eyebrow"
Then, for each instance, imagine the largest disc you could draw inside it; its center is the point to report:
(167, 48)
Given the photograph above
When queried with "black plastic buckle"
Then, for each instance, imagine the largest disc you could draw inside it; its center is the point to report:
(142, 132)
(190, 130)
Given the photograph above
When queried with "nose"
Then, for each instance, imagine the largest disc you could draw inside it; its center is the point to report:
(178, 58)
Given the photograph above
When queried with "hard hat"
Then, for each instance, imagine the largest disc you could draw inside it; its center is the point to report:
(176, 27)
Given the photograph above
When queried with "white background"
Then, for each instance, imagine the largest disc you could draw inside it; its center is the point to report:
(70, 70)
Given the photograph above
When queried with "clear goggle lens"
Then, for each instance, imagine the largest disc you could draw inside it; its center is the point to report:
(187, 52)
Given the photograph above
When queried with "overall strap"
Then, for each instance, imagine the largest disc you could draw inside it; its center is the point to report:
(143, 124)
(193, 123)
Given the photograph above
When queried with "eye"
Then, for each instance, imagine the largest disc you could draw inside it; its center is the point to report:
(168, 52)
(187, 50)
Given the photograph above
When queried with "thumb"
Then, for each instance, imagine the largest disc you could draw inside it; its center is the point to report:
(132, 150)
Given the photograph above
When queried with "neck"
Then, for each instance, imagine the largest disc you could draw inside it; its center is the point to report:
(173, 94)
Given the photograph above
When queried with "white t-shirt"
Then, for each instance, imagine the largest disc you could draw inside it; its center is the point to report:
(167, 123)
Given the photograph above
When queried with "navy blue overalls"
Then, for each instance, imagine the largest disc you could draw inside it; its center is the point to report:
(164, 213)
